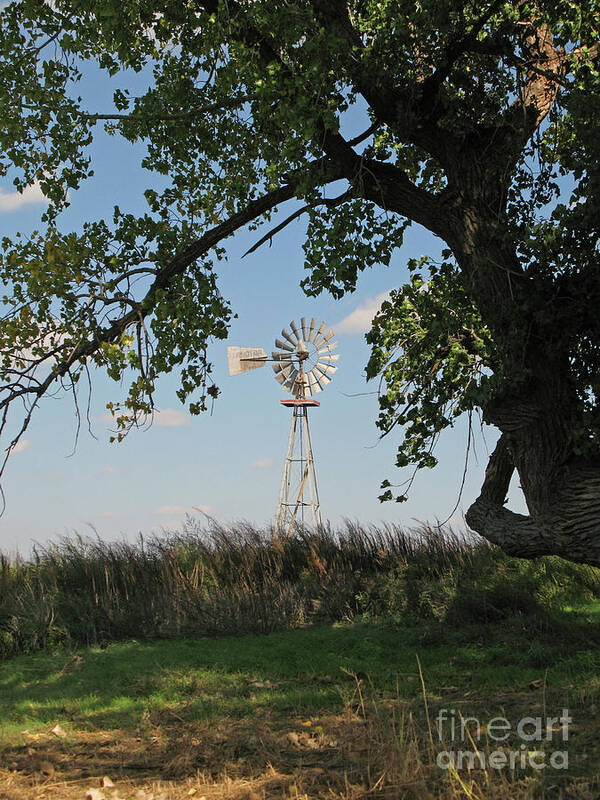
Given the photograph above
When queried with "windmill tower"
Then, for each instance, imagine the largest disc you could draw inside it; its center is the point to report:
(303, 362)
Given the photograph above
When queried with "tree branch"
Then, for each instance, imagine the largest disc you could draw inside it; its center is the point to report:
(176, 266)
(384, 184)
(546, 68)
(207, 109)
(432, 84)
(331, 202)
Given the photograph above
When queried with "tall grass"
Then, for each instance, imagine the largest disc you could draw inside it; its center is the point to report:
(215, 580)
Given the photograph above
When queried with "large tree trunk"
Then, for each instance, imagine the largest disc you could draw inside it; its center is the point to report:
(538, 413)
(564, 502)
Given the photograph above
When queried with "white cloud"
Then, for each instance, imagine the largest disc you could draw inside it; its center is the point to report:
(21, 359)
(167, 418)
(165, 511)
(359, 320)
(262, 463)
(11, 201)
(21, 445)
(171, 418)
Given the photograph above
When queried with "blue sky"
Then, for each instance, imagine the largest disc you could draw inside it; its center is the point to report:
(226, 463)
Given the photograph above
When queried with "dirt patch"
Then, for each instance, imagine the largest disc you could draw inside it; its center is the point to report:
(270, 757)
(377, 748)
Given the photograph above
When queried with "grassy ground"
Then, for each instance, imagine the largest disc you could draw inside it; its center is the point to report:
(229, 663)
(335, 711)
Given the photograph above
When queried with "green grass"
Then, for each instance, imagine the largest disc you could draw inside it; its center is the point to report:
(296, 671)
(371, 631)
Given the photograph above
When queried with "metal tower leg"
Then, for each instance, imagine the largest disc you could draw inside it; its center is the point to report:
(299, 489)
(286, 478)
(312, 477)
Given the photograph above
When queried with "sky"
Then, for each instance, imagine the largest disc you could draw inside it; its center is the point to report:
(225, 464)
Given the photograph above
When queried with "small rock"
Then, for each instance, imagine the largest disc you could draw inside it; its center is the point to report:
(106, 783)
(47, 768)
(58, 731)
(293, 738)
(94, 794)
(247, 794)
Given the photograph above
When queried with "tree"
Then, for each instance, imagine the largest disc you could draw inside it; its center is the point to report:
(480, 125)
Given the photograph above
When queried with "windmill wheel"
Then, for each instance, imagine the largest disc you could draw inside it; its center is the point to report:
(306, 351)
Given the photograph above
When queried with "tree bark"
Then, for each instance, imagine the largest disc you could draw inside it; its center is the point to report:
(538, 412)
(566, 525)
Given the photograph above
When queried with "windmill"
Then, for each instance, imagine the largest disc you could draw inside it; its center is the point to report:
(303, 362)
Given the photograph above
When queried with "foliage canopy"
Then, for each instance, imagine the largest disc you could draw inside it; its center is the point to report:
(479, 124)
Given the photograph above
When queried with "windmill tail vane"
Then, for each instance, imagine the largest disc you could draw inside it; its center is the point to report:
(304, 362)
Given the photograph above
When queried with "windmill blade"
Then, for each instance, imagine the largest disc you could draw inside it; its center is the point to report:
(287, 369)
(323, 378)
(244, 359)
(303, 326)
(284, 345)
(327, 354)
(281, 365)
(327, 346)
(319, 342)
(313, 346)
(314, 384)
(307, 387)
(319, 332)
(287, 335)
(328, 369)
(278, 356)
(290, 380)
(287, 376)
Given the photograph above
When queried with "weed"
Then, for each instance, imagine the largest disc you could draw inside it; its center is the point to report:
(218, 581)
